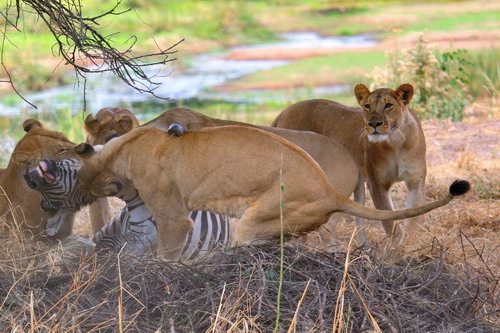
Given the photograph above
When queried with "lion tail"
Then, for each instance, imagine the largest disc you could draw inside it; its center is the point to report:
(457, 188)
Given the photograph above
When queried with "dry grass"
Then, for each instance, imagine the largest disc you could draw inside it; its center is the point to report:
(56, 290)
(445, 280)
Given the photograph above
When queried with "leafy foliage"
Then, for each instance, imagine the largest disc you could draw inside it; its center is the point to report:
(440, 79)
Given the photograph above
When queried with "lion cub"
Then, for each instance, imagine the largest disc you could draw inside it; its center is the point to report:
(384, 136)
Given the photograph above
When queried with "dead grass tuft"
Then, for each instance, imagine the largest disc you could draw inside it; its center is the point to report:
(60, 290)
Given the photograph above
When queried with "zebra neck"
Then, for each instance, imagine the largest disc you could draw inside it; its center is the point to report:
(137, 209)
(132, 198)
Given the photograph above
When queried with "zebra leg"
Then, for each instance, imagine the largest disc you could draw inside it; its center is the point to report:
(61, 224)
(210, 232)
(134, 237)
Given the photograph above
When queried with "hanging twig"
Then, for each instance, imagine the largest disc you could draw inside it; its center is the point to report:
(82, 45)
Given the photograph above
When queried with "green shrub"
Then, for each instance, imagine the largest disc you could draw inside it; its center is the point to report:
(439, 78)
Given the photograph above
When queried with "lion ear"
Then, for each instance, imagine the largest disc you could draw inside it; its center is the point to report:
(112, 188)
(31, 123)
(84, 150)
(126, 123)
(361, 92)
(405, 92)
(91, 124)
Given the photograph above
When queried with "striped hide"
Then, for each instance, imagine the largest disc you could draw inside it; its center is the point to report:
(134, 230)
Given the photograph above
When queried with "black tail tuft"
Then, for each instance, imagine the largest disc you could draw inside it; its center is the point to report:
(459, 187)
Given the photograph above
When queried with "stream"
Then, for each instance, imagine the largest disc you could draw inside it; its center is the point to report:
(194, 83)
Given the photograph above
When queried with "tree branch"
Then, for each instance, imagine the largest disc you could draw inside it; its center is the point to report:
(80, 42)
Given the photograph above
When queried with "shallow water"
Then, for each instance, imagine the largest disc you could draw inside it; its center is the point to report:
(195, 82)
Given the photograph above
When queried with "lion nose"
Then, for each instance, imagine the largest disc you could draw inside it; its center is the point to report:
(375, 123)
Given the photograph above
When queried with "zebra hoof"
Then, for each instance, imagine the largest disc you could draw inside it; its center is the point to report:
(176, 129)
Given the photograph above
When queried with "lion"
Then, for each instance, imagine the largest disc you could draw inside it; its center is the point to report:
(107, 123)
(21, 207)
(384, 136)
(267, 184)
(336, 162)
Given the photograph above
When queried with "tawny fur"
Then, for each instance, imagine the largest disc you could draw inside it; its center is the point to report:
(20, 205)
(107, 122)
(384, 136)
(336, 162)
(196, 172)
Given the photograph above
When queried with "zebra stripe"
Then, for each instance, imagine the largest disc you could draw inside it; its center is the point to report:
(134, 230)
(206, 234)
(65, 191)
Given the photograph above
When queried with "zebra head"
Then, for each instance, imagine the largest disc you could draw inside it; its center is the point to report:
(58, 184)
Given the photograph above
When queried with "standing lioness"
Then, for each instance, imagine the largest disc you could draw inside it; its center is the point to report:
(384, 136)
(237, 171)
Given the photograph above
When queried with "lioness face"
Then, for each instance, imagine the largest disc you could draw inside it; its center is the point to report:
(96, 181)
(383, 109)
(109, 123)
(39, 143)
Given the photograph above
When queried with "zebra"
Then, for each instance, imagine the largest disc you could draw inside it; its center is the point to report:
(134, 230)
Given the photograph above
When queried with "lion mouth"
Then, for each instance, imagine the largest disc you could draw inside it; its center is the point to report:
(378, 137)
(45, 172)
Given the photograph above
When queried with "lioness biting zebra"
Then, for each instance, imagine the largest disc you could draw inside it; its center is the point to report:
(336, 162)
(133, 230)
(20, 207)
(264, 177)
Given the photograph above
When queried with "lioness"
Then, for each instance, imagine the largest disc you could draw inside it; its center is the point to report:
(336, 162)
(107, 122)
(242, 172)
(133, 230)
(384, 136)
(20, 206)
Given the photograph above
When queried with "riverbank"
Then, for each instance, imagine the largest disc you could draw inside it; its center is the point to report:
(217, 25)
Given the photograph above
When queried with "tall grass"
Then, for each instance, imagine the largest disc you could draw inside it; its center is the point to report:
(484, 72)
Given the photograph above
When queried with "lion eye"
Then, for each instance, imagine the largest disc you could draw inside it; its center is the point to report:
(62, 150)
(388, 105)
(367, 106)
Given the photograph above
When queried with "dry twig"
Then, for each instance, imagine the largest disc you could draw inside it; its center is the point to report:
(81, 43)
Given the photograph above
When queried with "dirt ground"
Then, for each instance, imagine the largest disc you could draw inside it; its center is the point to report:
(445, 279)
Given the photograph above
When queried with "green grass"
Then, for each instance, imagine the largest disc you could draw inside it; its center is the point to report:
(342, 68)
(484, 69)
(220, 23)
(441, 21)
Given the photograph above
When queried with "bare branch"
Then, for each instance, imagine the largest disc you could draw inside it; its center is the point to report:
(80, 42)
